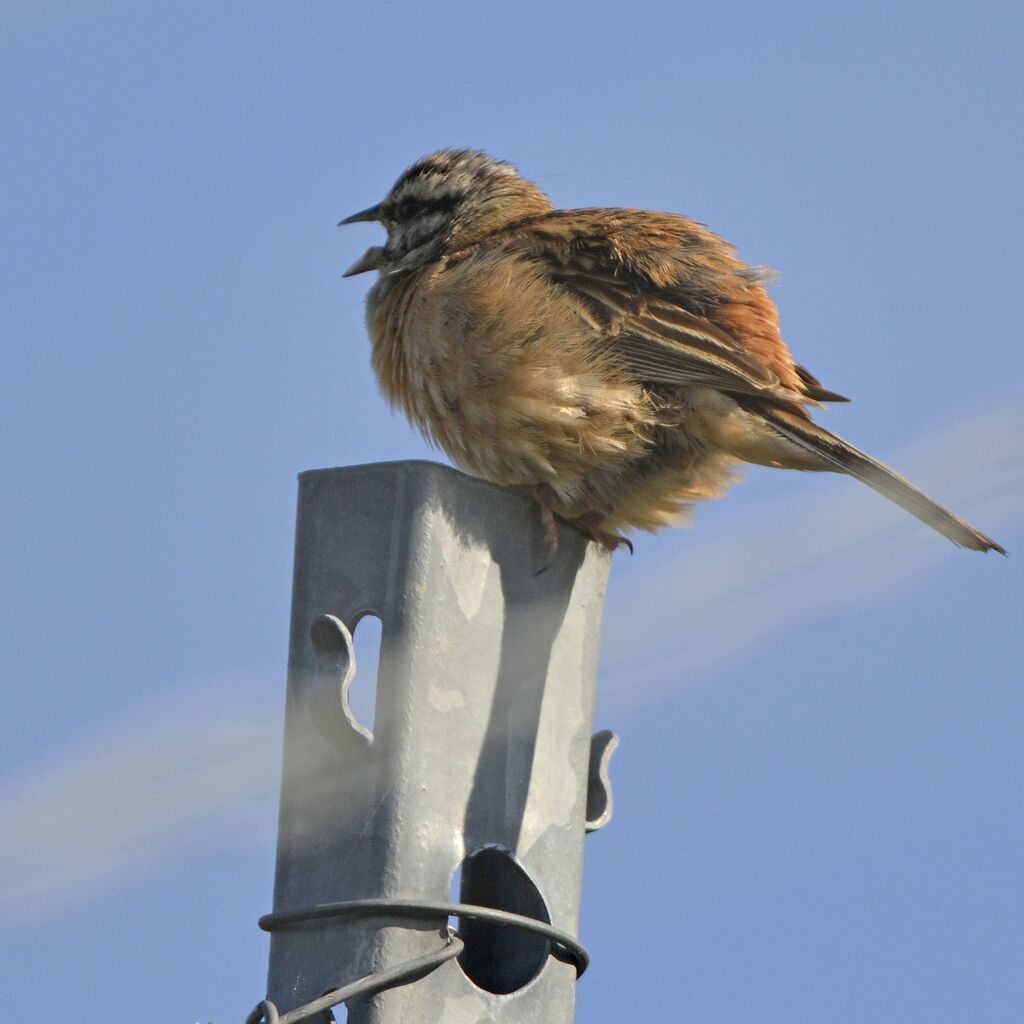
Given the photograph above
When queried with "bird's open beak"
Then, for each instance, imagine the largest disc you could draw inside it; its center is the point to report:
(370, 213)
(372, 259)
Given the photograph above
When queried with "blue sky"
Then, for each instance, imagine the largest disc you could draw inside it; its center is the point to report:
(818, 789)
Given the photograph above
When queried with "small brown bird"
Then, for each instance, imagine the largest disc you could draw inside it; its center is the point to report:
(618, 363)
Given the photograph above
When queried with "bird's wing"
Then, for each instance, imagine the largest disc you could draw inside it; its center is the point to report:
(676, 304)
(665, 344)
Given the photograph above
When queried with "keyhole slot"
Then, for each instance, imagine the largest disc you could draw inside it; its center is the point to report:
(361, 690)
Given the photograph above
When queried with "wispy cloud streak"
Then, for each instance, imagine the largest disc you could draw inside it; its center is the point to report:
(150, 789)
(159, 784)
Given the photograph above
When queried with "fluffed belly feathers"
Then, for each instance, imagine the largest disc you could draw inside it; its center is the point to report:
(518, 388)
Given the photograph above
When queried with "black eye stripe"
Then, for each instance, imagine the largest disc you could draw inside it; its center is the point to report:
(413, 205)
(445, 203)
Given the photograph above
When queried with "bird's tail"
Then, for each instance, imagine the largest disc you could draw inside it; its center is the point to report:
(843, 457)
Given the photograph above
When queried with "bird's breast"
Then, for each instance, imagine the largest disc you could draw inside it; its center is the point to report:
(503, 370)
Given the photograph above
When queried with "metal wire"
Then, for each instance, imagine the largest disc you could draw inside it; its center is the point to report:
(564, 946)
(412, 970)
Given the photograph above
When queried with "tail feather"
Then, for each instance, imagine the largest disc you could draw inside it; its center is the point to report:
(847, 459)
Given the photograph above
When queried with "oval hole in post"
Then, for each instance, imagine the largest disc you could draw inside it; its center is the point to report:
(361, 694)
(498, 958)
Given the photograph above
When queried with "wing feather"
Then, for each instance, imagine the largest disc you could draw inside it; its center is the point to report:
(663, 343)
(653, 291)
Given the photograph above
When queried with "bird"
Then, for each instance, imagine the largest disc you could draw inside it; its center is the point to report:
(619, 365)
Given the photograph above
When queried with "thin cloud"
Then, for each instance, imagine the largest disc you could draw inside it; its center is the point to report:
(147, 791)
(160, 784)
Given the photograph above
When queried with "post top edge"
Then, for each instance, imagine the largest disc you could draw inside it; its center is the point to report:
(424, 466)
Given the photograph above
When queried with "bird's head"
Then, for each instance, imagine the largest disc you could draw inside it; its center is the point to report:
(441, 204)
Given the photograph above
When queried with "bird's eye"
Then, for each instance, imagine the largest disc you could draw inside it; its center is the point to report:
(409, 208)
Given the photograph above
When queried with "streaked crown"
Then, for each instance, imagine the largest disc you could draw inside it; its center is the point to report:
(444, 202)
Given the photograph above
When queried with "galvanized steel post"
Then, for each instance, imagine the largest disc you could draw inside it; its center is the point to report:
(480, 760)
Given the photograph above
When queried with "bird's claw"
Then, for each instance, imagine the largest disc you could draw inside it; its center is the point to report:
(611, 541)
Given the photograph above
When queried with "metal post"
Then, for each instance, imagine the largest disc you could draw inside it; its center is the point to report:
(480, 758)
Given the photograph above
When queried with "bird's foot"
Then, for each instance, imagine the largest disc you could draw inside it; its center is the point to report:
(590, 526)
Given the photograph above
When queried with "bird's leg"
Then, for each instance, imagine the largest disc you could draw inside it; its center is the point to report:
(549, 527)
(590, 526)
